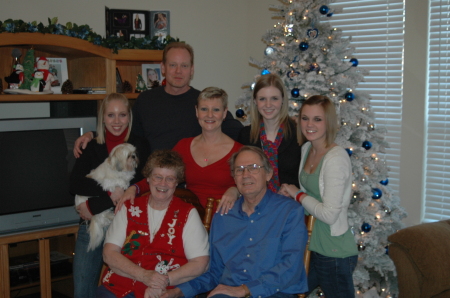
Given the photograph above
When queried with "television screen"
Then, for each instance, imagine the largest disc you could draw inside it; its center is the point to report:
(35, 169)
(36, 158)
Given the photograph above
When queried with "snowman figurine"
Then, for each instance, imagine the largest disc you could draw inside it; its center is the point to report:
(38, 83)
(42, 65)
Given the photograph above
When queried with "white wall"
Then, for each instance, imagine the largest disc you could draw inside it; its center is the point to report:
(225, 34)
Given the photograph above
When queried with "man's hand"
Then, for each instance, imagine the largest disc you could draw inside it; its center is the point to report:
(155, 280)
(129, 194)
(172, 293)
(153, 293)
(81, 143)
(84, 211)
(228, 290)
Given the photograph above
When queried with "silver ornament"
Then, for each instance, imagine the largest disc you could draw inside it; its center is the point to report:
(269, 51)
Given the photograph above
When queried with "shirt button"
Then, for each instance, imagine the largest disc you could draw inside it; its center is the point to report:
(248, 256)
(278, 290)
(245, 270)
(251, 221)
(251, 239)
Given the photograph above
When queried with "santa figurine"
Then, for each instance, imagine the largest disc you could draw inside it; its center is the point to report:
(16, 78)
(43, 66)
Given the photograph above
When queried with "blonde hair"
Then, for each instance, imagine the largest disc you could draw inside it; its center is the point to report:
(178, 45)
(212, 93)
(101, 117)
(331, 124)
(263, 82)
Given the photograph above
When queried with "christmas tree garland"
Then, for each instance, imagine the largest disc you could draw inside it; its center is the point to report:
(85, 32)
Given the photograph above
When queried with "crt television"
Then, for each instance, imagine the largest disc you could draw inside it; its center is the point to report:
(36, 160)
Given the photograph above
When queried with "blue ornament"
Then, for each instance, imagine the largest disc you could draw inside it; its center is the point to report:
(384, 182)
(314, 67)
(354, 62)
(292, 74)
(387, 249)
(367, 145)
(324, 9)
(376, 193)
(312, 33)
(303, 46)
(366, 227)
(349, 96)
(349, 151)
(330, 15)
(295, 92)
(265, 71)
(240, 113)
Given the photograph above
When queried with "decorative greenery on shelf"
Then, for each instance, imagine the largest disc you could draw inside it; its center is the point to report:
(85, 32)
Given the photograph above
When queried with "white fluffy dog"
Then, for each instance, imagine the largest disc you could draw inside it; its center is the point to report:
(116, 171)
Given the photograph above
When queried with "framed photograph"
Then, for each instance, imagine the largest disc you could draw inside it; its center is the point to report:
(152, 73)
(58, 68)
(160, 23)
(127, 23)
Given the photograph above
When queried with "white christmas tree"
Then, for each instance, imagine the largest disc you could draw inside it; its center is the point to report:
(313, 58)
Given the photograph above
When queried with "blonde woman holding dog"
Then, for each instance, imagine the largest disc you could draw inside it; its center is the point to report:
(113, 128)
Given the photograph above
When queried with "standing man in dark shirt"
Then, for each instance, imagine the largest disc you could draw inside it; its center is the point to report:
(165, 115)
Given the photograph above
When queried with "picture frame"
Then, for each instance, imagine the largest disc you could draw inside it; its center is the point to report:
(127, 23)
(160, 23)
(58, 68)
(151, 72)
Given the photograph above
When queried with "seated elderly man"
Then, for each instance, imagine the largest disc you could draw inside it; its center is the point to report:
(257, 248)
(158, 240)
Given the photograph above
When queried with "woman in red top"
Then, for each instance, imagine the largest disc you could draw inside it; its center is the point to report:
(206, 155)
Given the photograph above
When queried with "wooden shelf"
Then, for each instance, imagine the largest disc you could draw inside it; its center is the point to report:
(42, 238)
(89, 65)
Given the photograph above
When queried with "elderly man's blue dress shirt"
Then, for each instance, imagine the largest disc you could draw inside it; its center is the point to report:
(263, 251)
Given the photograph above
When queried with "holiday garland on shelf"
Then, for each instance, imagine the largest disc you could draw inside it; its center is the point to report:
(85, 32)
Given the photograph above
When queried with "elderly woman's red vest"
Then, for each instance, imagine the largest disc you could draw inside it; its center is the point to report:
(164, 254)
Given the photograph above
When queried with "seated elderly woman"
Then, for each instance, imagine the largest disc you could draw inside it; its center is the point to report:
(156, 242)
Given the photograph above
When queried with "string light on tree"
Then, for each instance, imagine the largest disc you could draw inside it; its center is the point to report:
(317, 58)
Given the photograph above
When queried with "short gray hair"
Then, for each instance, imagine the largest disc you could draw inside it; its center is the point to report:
(262, 156)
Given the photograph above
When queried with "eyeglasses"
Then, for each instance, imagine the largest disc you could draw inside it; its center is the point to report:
(169, 179)
(253, 169)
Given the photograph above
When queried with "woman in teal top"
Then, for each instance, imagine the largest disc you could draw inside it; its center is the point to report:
(325, 180)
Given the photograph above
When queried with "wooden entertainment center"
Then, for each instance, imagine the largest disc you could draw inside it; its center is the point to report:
(88, 66)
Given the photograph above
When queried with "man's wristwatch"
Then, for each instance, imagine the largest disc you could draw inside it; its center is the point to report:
(247, 291)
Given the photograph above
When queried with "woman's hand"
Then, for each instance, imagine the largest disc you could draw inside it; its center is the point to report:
(153, 293)
(84, 212)
(116, 195)
(129, 194)
(288, 190)
(173, 293)
(155, 280)
(226, 203)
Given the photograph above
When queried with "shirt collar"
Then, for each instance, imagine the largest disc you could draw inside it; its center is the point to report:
(260, 207)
